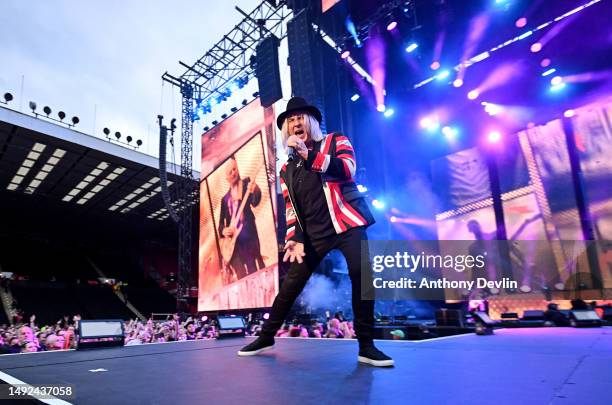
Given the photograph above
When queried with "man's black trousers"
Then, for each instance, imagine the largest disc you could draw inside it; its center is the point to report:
(349, 243)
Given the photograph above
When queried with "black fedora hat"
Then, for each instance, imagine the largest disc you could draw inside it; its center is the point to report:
(298, 104)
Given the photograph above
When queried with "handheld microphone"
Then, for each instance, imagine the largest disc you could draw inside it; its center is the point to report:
(291, 153)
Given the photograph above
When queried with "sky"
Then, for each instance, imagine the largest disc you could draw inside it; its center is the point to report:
(102, 60)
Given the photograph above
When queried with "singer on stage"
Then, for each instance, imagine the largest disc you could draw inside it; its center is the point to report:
(324, 211)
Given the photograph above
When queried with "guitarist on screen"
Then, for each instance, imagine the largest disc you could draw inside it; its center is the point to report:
(246, 256)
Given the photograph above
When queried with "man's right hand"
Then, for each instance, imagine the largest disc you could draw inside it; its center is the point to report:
(294, 251)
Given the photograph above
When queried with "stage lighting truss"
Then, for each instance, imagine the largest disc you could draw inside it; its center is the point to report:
(484, 55)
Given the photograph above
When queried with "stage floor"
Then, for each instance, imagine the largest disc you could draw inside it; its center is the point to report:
(527, 366)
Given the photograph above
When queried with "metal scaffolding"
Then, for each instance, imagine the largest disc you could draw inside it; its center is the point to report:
(229, 59)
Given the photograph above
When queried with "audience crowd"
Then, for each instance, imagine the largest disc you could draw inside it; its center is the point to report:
(30, 337)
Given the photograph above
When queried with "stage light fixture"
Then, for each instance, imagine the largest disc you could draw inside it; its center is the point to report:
(410, 48)
(118, 135)
(256, 94)
(234, 109)
(549, 72)
(494, 136)
(449, 132)
(380, 108)
(345, 54)
(521, 22)
(435, 65)
(8, 97)
(206, 129)
(32, 106)
(458, 83)
(569, 113)
(388, 112)
(244, 102)
(393, 218)
(557, 87)
(378, 204)
(75, 120)
(391, 25)
(106, 131)
(442, 75)
(355, 97)
(473, 95)
(128, 139)
(223, 116)
(536, 47)
(215, 122)
(362, 188)
(47, 110)
(492, 109)
(139, 142)
(555, 81)
(61, 115)
(545, 62)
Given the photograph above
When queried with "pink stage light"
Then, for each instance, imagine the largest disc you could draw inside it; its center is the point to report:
(345, 54)
(494, 137)
(391, 26)
(521, 22)
(380, 108)
(473, 95)
(435, 65)
(557, 80)
(458, 83)
(545, 62)
(393, 219)
(536, 47)
(569, 113)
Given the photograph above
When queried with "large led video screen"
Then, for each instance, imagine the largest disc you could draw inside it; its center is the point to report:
(238, 251)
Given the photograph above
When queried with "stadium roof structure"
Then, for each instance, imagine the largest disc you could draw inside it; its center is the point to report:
(54, 176)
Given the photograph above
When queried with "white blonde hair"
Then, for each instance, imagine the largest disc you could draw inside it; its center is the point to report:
(311, 126)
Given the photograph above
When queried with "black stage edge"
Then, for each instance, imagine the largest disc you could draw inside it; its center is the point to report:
(527, 366)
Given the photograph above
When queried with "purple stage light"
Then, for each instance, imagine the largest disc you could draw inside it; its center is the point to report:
(494, 137)
(521, 22)
(391, 26)
(545, 62)
(473, 95)
(492, 109)
(435, 65)
(345, 54)
(536, 47)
